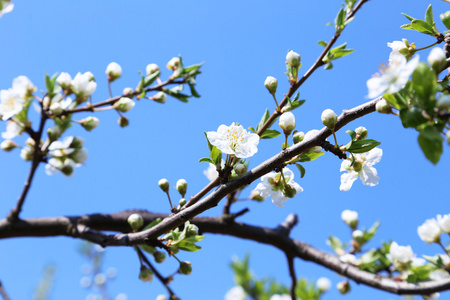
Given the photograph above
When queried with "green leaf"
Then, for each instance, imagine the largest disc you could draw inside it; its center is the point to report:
(396, 100)
(206, 159)
(430, 140)
(149, 79)
(269, 134)
(148, 249)
(424, 86)
(429, 16)
(50, 84)
(363, 146)
(339, 21)
(323, 43)
(155, 222)
(412, 117)
(193, 91)
(328, 66)
(423, 27)
(216, 156)
(310, 156)
(407, 26)
(264, 118)
(252, 129)
(301, 169)
(352, 134)
(408, 17)
(207, 140)
(372, 231)
(445, 18)
(336, 244)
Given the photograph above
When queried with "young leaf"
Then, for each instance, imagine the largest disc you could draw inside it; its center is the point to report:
(445, 18)
(301, 169)
(323, 43)
(206, 159)
(412, 117)
(270, 133)
(264, 118)
(363, 146)
(429, 16)
(339, 21)
(423, 27)
(430, 140)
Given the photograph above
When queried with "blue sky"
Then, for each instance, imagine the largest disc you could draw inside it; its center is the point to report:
(241, 44)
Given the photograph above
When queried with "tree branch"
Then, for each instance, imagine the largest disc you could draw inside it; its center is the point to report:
(3, 292)
(290, 260)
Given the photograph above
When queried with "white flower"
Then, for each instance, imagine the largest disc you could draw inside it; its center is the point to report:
(323, 284)
(280, 297)
(151, 68)
(311, 134)
(402, 254)
(396, 47)
(293, 59)
(173, 63)
(444, 222)
(113, 70)
(80, 156)
(363, 167)
(236, 293)
(64, 80)
(60, 149)
(234, 140)
(393, 77)
(350, 218)
(272, 185)
(287, 122)
(53, 166)
(211, 173)
(429, 231)
(417, 262)
(349, 259)
(439, 275)
(22, 86)
(11, 103)
(82, 85)
(271, 84)
(12, 130)
(124, 104)
(7, 7)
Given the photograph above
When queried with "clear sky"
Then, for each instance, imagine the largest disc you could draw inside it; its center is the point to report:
(241, 43)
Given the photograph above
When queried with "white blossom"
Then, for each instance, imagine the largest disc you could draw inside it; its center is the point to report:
(396, 46)
(349, 259)
(402, 254)
(444, 222)
(7, 7)
(173, 63)
(211, 173)
(323, 284)
(271, 84)
(12, 130)
(22, 86)
(64, 80)
(293, 59)
(429, 231)
(272, 185)
(82, 85)
(151, 68)
(234, 139)
(236, 293)
(11, 103)
(393, 77)
(361, 167)
(114, 70)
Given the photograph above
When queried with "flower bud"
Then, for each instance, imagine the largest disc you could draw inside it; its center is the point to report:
(30, 142)
(90, 123)
(136, 221)
(161, 297)
(164, 185)
(254, 195)
(287, 122)
(383, 107)
(114, 71)
(124, 104)
(430, 232)
(298, 136)
(68, 167)
(181, 187)
(240, 169)
(173, 64)
(56, 108)
(123, 121)
(437, 58)
(293, 59)
(343, 287)
(64, 80)
(27, 153)
(323, 284)
(185, 268)
(182, 202)
(361, 133)
(151, 68)
(358, 236)
(289, 191)
(128, 92)
(77, 142)
(271, 84)
(192, 230)
(54, 133)
(8, 145)
(350, 218)
(159, 256)
(329, 118)
(146, 275)
(160, 97)
(444, 102)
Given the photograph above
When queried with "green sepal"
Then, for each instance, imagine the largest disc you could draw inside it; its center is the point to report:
(412, 117)
(270, 133)
(363, 146)
(430, 141)
(328, 66)
(301, 170)
(445, 18)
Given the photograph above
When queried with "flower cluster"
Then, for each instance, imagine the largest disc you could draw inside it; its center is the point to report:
(82, 85)
(279, 186)
(362, 166)
(430, 231)
(15, 99)
(66, 155)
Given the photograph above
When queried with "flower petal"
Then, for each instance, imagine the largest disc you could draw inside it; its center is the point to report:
(374, 156)
(369, 176)
(347, 180)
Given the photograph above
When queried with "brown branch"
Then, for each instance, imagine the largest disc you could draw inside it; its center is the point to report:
(63, 226)
(290, 260)
(3, 292)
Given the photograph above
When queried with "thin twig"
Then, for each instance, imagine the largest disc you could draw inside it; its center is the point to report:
(3, 292)
(290, 260)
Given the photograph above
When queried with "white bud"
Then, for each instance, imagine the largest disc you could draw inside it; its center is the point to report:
(437, 58)
(298, 137)
(271, 84)
(361, 133)
(124, 104)
(90, 123)
(444, 222)
(293, 59)
(68, 167)
(64, 79)
(151, 68)
(136, 221)
(173, 64)
(287, 122)
(160, 97)
(164, 185)
(240, 169)
(56, 108)
(128, 92)
(114, 71)
(383, 107)
(181, 187)
(350, 218)
(8, 145)
(343, 287)
(329, 118)
(323, 284)
(429, 231)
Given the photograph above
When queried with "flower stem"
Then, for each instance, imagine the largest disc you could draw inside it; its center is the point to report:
(427, 46)
(276, 102)
(335, 140)
(170, 202)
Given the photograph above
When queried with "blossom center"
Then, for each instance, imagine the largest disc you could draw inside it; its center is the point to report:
(234, 136)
